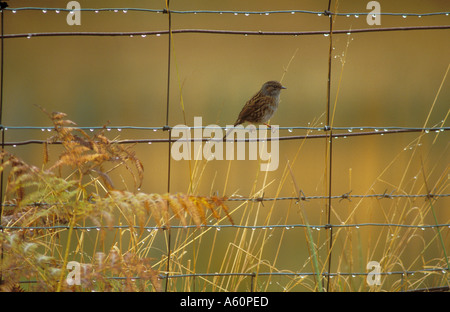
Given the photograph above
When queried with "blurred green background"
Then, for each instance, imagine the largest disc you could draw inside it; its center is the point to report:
(385, 78)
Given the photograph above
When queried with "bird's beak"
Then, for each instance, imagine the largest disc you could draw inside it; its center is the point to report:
(283, 87)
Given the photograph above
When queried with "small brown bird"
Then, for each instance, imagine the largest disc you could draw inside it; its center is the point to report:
(261, 107)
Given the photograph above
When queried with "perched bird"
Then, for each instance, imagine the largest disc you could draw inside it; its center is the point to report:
(261, 107)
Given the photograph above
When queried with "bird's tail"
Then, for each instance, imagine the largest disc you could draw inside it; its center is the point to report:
(228, 132)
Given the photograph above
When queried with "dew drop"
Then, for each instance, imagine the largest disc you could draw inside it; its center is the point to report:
(356, 16)
(290, 130)
(235, 13)
(246, 14)
(124, 11)
(57, 11)
(92, 130)
(44, 11)
(348, 15)
(143, 36)
(319, 14)
(350, 130)
(14, 145)
(404, 16)
(14, 11)
(115, 11)
(118, 129)
(158, 35)
(108, 129)
(218, 228)
(96, 11)
(326, 35)
(292, 12)
(266, 13)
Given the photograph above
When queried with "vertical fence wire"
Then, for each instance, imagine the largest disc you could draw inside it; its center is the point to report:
(329, 146)
(2, 6)
(167, 127)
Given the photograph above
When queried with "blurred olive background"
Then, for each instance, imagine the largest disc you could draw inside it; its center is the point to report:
(385, 78)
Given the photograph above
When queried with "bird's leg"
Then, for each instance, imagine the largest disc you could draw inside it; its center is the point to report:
(268, 126)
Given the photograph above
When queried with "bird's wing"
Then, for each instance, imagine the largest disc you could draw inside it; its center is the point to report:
(250, 108)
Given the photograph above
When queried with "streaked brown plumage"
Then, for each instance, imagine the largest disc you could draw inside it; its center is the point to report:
(261, 107)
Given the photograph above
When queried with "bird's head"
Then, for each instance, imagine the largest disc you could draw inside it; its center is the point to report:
(272, 88)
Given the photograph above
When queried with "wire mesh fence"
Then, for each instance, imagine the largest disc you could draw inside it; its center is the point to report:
(327, 131)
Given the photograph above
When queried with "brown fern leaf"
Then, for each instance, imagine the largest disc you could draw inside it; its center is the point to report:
(219, 202)
(179, 208)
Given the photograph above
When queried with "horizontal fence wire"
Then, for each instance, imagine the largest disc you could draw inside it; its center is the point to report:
(224, 226)
(301, 197)
(158, 33)
(318, 13)
(351, 131)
